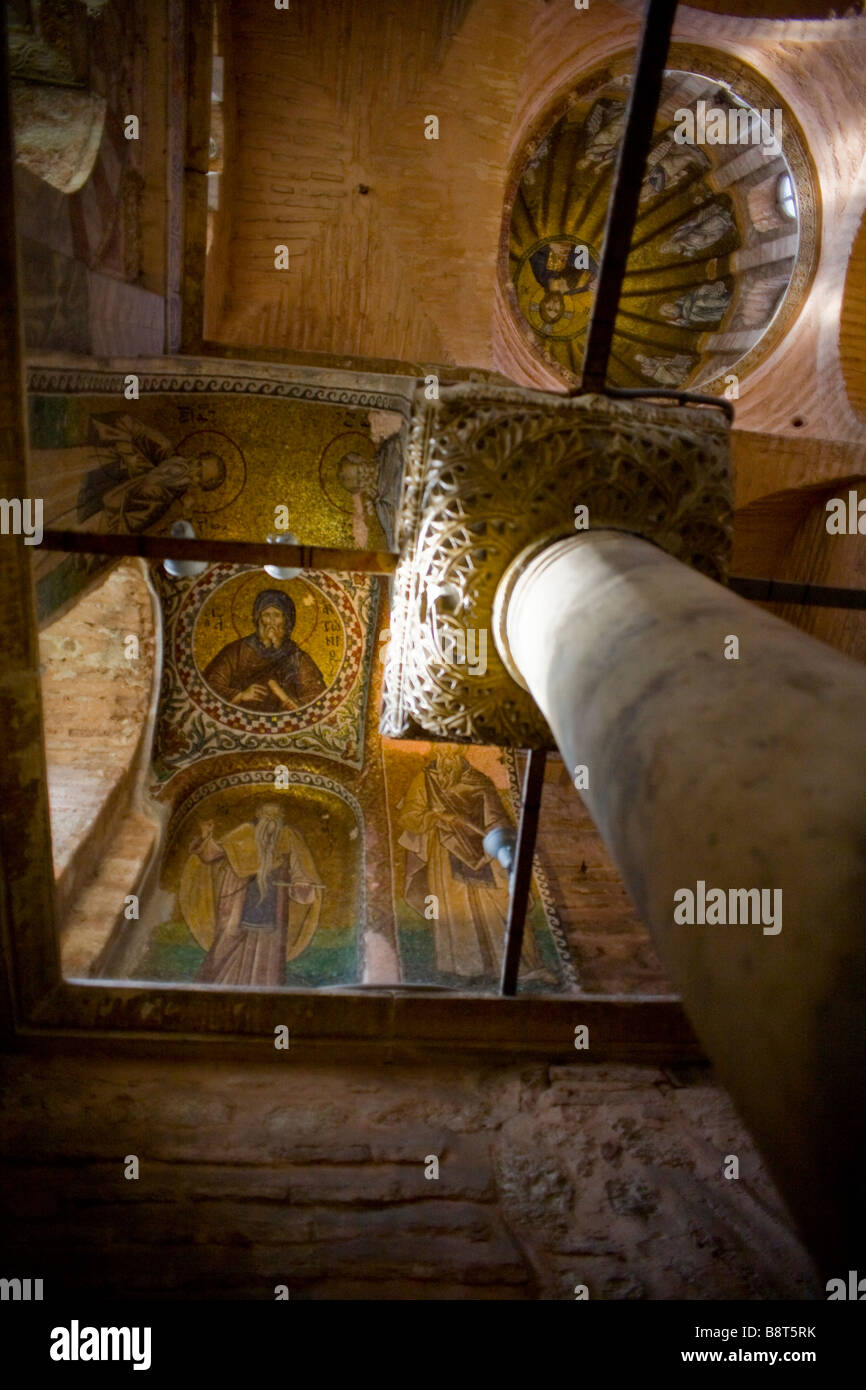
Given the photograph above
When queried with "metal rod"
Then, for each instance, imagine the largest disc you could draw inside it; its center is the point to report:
(305, 557)
(521, 875)
(808, 595)
(622, 210)
(632, 393)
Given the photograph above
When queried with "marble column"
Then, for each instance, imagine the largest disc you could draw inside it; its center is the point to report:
(744, 772)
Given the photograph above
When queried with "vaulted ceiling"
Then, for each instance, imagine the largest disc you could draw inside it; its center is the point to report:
(394, 238)
(404, 252)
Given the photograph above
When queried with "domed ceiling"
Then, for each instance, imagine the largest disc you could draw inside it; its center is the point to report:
(724, 243)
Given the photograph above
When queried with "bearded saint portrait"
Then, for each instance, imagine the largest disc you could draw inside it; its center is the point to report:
(267, 671)
(603, 132)
(374, 486)
(704, 305)
(448, 809)
(251, 899)
(709, 225)
(126, 479)
(143, 476)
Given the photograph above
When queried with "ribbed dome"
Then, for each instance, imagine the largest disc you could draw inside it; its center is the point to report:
(715, 245)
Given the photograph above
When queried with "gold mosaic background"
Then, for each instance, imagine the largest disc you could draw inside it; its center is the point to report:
(692, 306)
(227, 614)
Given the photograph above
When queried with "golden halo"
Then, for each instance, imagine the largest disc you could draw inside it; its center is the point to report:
(214, 442)
(351, 442)
(306, 615)
(575, 315)
(567, 308)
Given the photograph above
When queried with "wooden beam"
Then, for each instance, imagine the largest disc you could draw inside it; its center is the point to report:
(622, 210)
(521, 875)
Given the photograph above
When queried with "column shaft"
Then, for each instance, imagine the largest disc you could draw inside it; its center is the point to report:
(745, 773)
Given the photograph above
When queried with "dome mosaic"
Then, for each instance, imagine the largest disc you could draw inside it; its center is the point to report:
(724, 243)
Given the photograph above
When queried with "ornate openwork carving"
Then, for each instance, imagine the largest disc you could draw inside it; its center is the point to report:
(490, 471)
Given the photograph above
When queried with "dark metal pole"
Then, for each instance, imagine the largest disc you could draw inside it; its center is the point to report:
(622, 211)
(305, 557)
(809, 595)
(521, 875)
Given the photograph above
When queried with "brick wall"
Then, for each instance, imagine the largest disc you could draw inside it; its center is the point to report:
(314, 1177)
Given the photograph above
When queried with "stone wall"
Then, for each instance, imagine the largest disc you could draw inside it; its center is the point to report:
(314, 1177)
(610, 946)
(96, 700)
(392, 237)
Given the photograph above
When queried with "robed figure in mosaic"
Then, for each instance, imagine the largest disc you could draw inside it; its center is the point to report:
(448, 809)
(140, 475)
(251, 899)
(266, 671)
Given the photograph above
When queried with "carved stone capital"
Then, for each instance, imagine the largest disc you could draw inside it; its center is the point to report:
(491, 471)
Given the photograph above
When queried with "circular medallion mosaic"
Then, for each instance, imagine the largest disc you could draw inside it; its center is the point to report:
(263, 655)
(725, 239)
